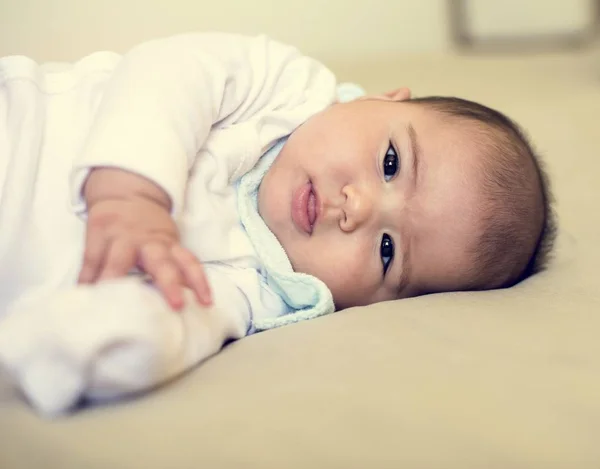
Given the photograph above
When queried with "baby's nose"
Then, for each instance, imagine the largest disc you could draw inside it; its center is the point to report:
(358, 208)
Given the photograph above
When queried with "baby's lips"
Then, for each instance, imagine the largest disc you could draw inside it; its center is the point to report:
(312, 208)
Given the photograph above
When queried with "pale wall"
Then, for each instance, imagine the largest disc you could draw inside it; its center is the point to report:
(329, 30)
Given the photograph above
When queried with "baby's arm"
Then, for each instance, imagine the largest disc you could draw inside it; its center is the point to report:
(113, 339)
(163, 98)
(129, 226)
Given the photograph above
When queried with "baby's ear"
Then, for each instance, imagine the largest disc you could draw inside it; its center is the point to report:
(399, 94)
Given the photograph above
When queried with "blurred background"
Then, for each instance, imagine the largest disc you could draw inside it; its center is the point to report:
(332, 30)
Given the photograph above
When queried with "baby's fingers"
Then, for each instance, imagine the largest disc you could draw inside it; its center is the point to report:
(120, 258)
(193, 273)
(93, 257)
(157, 262)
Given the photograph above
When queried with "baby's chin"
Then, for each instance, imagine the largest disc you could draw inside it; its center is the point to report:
(267, 210)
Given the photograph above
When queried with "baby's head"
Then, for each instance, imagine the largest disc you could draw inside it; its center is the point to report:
(389, 197)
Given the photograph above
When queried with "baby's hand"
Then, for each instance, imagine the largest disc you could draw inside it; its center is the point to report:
(138, 232)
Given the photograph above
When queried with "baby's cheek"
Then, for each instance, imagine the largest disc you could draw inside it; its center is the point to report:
(350, 286)
(340, 264)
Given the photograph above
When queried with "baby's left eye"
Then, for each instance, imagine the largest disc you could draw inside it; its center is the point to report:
(391, 163)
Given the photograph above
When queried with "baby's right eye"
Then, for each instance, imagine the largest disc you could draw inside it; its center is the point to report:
(391, 163)
(386, 251)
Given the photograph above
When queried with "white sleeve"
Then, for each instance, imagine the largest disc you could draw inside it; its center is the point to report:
(164, 96)
(113, 339)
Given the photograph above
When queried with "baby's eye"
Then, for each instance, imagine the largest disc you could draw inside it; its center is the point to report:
(386, 251)
(391, 163)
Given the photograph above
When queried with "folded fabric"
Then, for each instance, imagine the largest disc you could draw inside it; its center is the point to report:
(110, 340)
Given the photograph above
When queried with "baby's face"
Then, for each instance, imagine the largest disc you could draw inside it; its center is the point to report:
(376, 198)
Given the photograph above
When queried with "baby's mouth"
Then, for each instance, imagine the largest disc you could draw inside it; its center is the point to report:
(304, 208)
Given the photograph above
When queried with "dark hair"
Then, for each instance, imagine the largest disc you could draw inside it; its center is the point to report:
(519, 225)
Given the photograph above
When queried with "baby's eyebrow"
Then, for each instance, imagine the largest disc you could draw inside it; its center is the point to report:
(416, 152)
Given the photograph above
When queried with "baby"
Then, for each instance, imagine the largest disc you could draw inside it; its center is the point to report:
(204, 187)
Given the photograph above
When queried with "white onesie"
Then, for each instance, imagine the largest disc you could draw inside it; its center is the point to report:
(193, 113)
